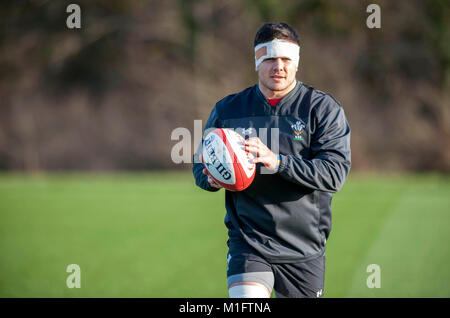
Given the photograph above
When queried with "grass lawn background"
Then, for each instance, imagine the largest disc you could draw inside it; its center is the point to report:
(158, 235)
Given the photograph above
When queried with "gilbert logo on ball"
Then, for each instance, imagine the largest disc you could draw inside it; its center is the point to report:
(227, 161)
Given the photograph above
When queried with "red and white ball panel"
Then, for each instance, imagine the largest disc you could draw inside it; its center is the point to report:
(226, 160)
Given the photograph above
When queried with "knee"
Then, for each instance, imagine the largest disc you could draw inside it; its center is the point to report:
(248, 290)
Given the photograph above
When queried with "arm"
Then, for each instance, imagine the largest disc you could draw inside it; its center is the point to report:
(201, 179)
(330, 145)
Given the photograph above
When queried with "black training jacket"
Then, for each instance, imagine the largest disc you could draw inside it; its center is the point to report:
(285, 216)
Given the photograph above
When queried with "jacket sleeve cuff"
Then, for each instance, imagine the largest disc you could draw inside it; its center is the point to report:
(283, 163)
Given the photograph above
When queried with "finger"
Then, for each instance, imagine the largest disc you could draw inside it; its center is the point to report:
(205, 171)
(264, 161)
(258, 159)
(213, 183)
(259, 144)
(254, 149)
(253, 140)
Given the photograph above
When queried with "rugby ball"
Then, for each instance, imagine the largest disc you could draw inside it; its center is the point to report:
(226, 160)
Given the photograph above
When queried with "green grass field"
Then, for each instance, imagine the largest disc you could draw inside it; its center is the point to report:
(157, 235)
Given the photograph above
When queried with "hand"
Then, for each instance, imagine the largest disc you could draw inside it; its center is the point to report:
(211, 181)
(262, 154)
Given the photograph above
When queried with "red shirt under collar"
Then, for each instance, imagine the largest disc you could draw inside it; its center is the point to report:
(274, 101)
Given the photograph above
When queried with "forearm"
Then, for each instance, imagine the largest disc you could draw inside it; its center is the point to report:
(201, 179)
(318, 174)
(330, 161)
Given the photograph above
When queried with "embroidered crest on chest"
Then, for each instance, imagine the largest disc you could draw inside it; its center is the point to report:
(298, 130)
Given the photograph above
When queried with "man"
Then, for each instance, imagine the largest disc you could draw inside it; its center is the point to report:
(278, 226)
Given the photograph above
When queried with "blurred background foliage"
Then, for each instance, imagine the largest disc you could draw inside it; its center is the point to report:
(107, 96)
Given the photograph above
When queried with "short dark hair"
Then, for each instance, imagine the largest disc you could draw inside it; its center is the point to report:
(276, 30)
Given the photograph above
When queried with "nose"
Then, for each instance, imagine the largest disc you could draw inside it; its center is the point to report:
(278, 63)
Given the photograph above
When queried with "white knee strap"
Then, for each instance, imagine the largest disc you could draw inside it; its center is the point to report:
(248, 291)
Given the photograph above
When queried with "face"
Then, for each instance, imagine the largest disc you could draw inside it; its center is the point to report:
(277, 76)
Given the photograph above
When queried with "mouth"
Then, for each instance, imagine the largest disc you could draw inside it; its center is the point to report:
(277, 77)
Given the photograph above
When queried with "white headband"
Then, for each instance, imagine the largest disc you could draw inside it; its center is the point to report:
(277, 48)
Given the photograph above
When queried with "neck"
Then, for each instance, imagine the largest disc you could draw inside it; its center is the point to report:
(268, 93)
